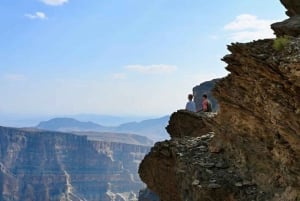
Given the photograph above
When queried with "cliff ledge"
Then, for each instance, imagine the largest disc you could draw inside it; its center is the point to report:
(250, 149)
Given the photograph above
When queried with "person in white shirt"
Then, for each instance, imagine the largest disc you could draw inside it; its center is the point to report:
(190, 105)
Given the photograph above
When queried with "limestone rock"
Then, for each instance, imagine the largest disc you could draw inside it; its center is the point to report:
(291, 26)
(292, 6)
(185, 123)
(288, 27)
(252, 143)
(41, 166)
(194, 175)
(258, 125)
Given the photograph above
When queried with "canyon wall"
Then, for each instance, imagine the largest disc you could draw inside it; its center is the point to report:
(42, 166)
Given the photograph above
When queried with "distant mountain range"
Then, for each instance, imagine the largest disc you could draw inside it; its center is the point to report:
(69, 124)
(21, 120)
(151, 128)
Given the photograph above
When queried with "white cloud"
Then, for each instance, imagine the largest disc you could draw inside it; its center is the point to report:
(248, 27)
(55, 2)
(15, 77)
(152, 69)
(36, 15)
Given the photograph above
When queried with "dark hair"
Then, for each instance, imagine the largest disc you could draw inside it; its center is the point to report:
(190, 96)
(204, 96)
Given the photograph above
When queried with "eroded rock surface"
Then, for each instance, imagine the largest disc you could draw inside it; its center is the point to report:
(291, 26)
(44, 166)
(184, 123)
(292, 6)
(185, 169)
(259, 122)
(256, 134)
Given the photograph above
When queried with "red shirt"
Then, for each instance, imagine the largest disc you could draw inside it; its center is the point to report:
(204, 105)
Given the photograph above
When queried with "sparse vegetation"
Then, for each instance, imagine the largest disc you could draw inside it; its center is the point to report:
(280, 42)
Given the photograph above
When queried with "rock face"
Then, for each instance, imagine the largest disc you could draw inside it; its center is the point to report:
(184, 123)
(291, 26)
(292, 6)
(259, 122)
(255, 153)
(186, 169)
(42, 166)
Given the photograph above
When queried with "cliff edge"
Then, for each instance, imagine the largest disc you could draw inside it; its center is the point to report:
(250, 149)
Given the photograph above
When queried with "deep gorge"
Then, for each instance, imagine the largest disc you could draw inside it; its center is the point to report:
(45, 165)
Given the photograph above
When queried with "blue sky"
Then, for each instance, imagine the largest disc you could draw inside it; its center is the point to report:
(118, 57)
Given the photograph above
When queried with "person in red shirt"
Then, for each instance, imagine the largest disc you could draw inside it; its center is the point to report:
(206, 105)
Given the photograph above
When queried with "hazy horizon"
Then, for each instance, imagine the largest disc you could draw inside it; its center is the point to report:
(17, 120)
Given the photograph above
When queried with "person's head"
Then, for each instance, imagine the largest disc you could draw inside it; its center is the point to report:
(190, 97)
(204, 96)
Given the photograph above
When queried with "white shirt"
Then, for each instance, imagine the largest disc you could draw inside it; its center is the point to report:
(191, 106)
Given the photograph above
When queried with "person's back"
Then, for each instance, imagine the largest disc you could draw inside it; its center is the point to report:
(190, 105)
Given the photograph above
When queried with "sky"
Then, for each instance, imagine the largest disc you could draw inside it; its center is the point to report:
(119, 57)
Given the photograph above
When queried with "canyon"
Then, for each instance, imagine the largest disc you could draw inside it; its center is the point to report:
(40, 165)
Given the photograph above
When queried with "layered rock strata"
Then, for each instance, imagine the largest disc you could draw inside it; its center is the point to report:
(259, 122)
(256, 134)
(184, 123)
(193, 168)
(44, 166)
(290, 26)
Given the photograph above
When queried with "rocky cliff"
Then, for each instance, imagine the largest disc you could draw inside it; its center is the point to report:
(250, 149)
(42, 166)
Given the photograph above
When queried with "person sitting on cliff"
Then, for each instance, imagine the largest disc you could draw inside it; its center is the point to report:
(190, 105)
(206, 104)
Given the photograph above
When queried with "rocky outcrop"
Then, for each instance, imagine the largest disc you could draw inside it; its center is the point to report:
(292, 6)
(256, 134)
(42, 166)
(291, 26)
(184, 123)
(189, 170)
(259, 122)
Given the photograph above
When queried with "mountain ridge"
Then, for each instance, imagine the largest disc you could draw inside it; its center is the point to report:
(152, 128)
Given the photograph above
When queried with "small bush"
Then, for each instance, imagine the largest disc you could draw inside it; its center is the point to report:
(280, 43)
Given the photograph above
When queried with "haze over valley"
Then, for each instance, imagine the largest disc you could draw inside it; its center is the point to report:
(93, 97)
